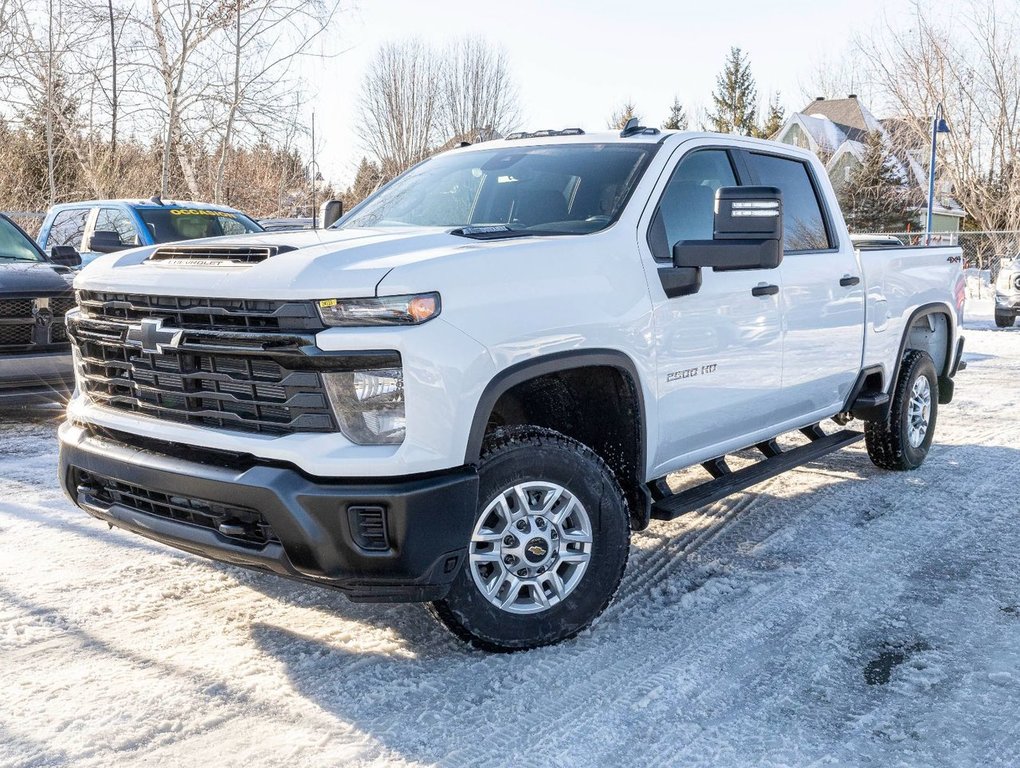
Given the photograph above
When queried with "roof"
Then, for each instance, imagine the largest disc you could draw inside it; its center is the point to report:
(136, 203)
(849, 115)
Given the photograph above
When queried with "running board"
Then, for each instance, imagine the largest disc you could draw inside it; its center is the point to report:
(724, 483)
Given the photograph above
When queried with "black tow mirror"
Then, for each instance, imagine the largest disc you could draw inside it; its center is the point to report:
(748, 232)
(106, 242)
(65, 256)
(332, 210)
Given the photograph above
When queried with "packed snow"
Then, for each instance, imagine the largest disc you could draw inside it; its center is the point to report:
(838, 615)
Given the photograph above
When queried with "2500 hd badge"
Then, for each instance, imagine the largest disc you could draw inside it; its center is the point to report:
(690, 373)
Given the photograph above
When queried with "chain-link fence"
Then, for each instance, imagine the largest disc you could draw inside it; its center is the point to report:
(984, 254)
(29, 221)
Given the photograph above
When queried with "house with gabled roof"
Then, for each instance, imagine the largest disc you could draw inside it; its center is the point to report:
(837, 131)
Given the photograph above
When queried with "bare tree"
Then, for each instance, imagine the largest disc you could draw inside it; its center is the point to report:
(400, 105)
(260, 45)
(973, 68)
(479, 94)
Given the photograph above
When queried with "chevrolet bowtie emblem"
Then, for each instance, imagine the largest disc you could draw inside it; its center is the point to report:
(152, 337)
(536, 550)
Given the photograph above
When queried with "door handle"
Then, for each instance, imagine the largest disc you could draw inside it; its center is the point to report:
(765, 290)
(847, 280)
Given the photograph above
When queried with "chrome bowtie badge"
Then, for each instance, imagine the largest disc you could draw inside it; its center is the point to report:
(152, 337)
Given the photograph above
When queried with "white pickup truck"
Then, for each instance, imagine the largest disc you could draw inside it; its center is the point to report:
(471, 389)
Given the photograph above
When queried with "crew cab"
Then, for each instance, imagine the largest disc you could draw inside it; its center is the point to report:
(95, 227)
(35, 294)
(470, 391)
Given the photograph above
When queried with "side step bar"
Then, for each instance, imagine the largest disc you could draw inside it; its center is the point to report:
(725, 482)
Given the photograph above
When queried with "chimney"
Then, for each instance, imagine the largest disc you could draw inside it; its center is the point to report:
(819, 98)
(852, 96)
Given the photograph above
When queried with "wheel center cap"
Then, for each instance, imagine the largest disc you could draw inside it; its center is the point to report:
(536, 550)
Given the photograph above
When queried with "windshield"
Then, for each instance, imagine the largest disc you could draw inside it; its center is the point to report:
(565, 189)
(14, 245)
(168, 225)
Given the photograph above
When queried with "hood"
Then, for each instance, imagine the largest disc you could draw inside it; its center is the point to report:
(320, 264)
(33, 278)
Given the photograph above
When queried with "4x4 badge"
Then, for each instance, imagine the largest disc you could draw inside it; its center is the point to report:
(152, 337)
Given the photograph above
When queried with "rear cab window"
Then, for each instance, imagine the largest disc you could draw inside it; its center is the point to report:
(804, 221)
(68, 228)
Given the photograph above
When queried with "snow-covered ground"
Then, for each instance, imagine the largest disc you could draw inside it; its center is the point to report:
(838, 615)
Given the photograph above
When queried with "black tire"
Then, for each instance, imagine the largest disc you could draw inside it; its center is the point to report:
(528, 454)
(1004, 320)
(888, 441)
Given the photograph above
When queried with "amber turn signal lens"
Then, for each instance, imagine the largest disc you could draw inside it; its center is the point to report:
(421, 308)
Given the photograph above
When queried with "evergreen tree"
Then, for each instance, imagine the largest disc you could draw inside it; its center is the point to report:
(876, 198)
(368, 178)
(735, 97)
(677, 120)
(774, 120)
(626, 111)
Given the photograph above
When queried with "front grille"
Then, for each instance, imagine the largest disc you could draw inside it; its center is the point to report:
(237, 381)
(15, 335)
(234, 522)
(16, 308)
(28, 324)
(203, 314)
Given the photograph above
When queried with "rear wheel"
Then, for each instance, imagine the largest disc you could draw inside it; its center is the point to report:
(902, 440)
(548, 547)
(1004, 319)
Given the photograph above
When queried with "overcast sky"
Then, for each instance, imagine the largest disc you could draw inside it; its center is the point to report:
(575, 60)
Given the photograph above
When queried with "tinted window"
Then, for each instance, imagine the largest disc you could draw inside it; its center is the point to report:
(687, 207)
(68, 228)
(564, 189)
(14, 245)
(168, 225)
(114, 220)
(803, 222)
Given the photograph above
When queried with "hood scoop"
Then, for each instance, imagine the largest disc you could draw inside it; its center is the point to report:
(216, 256)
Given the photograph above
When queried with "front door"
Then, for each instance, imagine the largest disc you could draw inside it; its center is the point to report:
(718, 351)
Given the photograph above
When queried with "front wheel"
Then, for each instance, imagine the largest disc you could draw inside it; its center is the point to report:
(1004, 319)
(902, 440)
(548, 548)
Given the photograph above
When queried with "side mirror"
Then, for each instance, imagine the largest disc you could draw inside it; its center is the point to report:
(65, 256)
(332, 210)
(748, 232)
(106, 242)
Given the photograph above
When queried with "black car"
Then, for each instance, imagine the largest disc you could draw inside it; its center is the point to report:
(35, 293)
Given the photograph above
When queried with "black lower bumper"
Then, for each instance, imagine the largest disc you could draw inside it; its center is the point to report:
(277, 519)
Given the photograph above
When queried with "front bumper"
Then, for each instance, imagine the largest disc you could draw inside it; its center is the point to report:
(1007, 303)
(27, 379)
(427, 519)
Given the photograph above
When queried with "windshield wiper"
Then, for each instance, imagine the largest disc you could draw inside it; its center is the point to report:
(18, 258)
(501, 231)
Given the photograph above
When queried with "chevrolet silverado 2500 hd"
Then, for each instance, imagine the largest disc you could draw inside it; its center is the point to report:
(470, 390)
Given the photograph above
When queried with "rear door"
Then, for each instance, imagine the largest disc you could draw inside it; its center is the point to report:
(718, 351)
(822, 296)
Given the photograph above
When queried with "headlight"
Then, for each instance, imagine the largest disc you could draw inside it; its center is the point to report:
(383, 310)
(369, 405)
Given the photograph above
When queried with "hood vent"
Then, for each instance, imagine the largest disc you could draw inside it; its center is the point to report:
(216, 256)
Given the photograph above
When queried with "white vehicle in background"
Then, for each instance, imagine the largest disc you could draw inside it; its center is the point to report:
(1007, 293)
(471, 390)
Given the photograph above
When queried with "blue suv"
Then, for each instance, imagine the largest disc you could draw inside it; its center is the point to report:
(95, 227)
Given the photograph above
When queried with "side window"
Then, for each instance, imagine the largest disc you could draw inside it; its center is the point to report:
(803, 222)
(687, 207)
(68, 228)
(114, 220)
